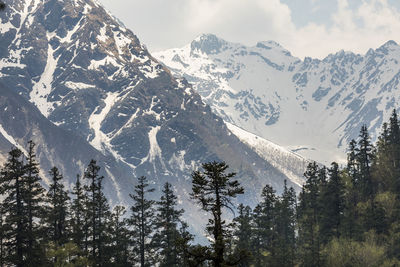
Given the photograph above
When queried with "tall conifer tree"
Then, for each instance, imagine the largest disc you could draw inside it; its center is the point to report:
(264, 234)
(33, 197)
(332, 200)
(383, 172)
(242, 233)
(167, 222)
(214, 190)
(309, 216)
(285, 224)
(120, 237)
(364, 158)
(79, 218)
(58, 213)
(142, 223)
(16, 221)
(394, 149)
(97, 212)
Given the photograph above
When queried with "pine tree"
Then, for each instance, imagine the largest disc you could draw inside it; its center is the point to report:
(350, 224)
(353, 166)
(58, 213)
(309, 216)
(375, 218)
(394, 137)
(332, 200)
(214, 190)
(184, 245)
(394, 151)
(264, 234)
(257, 237)
(3, 251)
(97, 214)
(103, 220)
(16, 221)
(142, 222)
(33, 197)
(285, 245)
(242, 233)
(167, 221)
(2, 6)
(78, 215)
(365, 158)
(383, 173)
(120, 237)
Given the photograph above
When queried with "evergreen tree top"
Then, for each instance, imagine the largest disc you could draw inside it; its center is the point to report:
(214, 185)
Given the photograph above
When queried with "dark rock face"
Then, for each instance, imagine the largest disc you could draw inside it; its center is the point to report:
(102, 95)
(21, 121)
(209, 44)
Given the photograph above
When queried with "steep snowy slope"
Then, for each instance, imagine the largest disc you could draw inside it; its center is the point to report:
(20, 121)
(314, 107)
(89, 75)
(289, 163)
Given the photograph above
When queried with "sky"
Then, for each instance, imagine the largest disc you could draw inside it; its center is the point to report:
(313, 28)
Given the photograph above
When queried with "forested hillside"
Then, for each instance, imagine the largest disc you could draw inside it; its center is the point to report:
(342, 217)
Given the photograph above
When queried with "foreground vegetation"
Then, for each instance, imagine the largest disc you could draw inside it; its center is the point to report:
(342, 217)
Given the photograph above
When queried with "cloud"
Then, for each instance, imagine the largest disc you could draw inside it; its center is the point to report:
(163, 24)
(368, 26)
(238, 20)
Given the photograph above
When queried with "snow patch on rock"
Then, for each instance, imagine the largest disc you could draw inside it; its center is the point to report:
(42, 89)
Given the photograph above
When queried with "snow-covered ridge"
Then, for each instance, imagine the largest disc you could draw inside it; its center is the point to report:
(291, 164)
(11, 139)
(311, 106)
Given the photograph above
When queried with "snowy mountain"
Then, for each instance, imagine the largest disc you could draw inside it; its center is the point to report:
(21, 121)
(87, 77)
(312, 107)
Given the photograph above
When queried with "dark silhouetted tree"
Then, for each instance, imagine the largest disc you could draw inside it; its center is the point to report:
(142, 223)
(58, 213)
(167, 222)
(97, 212)
(214, 190)
(12, 189)
(332, 200)
(120, 237)
(242, 232)
(264, 234)
(33, 197)
(79, 220)
(285, 225)
(308, 218)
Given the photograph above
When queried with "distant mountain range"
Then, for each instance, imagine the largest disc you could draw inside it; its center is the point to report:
(82, 86)
(313, 107)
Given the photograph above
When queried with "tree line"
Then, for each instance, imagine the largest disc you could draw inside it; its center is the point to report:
(346, 216)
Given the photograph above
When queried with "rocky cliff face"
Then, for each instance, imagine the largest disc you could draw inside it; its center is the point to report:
(21, 121)
(95, 84)
(313, 107)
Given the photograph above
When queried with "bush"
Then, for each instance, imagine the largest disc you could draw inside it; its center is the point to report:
(346, 252)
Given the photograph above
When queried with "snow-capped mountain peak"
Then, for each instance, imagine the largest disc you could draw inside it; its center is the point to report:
(312, 106)
(81, 72)
(208, 44)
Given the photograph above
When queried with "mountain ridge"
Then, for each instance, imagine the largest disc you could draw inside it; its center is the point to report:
(267, 91)
(89, 75)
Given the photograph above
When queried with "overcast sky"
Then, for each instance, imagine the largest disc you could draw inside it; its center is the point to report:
(305, 27)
